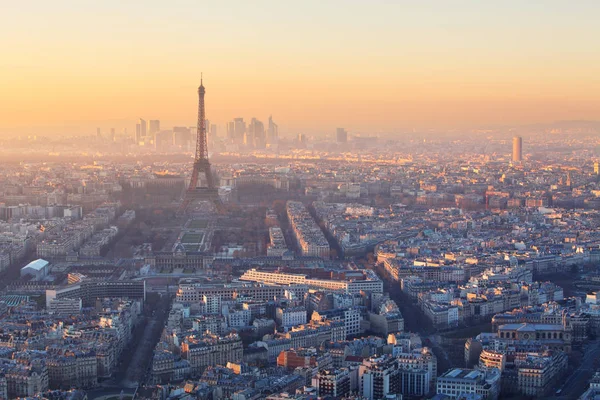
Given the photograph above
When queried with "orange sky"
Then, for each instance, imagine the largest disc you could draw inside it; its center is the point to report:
(366, 65)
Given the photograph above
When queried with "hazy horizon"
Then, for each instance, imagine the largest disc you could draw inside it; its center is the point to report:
(380, 66)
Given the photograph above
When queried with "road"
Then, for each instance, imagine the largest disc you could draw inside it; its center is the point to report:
(577, 382)
(104, 393)
(414, 319)
(443, 360)
(141, 359)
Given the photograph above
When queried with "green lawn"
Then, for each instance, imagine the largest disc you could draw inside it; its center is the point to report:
(192, 238)
(198, 224)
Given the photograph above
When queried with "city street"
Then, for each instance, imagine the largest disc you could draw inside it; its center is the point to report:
(577, 382)
(135, 369)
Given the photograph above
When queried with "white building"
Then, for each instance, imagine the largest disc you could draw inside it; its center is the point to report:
(352, 319)
(460, 381)
(38, 269)
(277, 247)
(378, 377)
(212, 303)
(238, 318)
(369, 283)
(65, 306)
(291, 316)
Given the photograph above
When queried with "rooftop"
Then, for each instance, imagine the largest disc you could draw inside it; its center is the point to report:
(38, 264)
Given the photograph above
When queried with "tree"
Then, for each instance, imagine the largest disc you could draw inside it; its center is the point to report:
(380, 201)
(279, 206)
(371, 258)
(269, 223)
(574, 269)
(333, 254)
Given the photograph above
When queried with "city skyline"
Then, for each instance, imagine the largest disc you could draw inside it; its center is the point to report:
(387, 67)
(341, 199)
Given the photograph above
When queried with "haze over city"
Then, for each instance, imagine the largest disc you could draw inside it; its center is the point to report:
(300, 200)
(379, 66)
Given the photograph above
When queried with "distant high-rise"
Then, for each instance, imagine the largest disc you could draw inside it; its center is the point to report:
(341, 135)
(273, 131)
(240, 129)
(213, 130)
(256, 132)
(112, 134)
(143, 127)
(163, 140)
(98, 133)
(597, 168)
(517, 153)
(153, 127)
(140, 131)
(231, 130)
(181, 137)
(302, 139)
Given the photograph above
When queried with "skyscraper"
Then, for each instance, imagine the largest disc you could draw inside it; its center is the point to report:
(256, 132)
(140, 131)
(231, 130)
(273, 131)
(99, 133)
(302, 140)
(517, 152)
(181, 137)
(163, 140)
(240, 129)
(597, 168)
(341, 135)
(143, 127)
(154, 127)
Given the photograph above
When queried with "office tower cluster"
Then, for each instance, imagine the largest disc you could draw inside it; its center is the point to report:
(253, 135)
(111, 136)
(142, 137)
(149, 134)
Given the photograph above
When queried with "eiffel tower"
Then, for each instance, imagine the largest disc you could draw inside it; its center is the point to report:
(201, 163)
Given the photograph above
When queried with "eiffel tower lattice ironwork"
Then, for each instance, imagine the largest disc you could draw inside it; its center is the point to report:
(201, 162)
